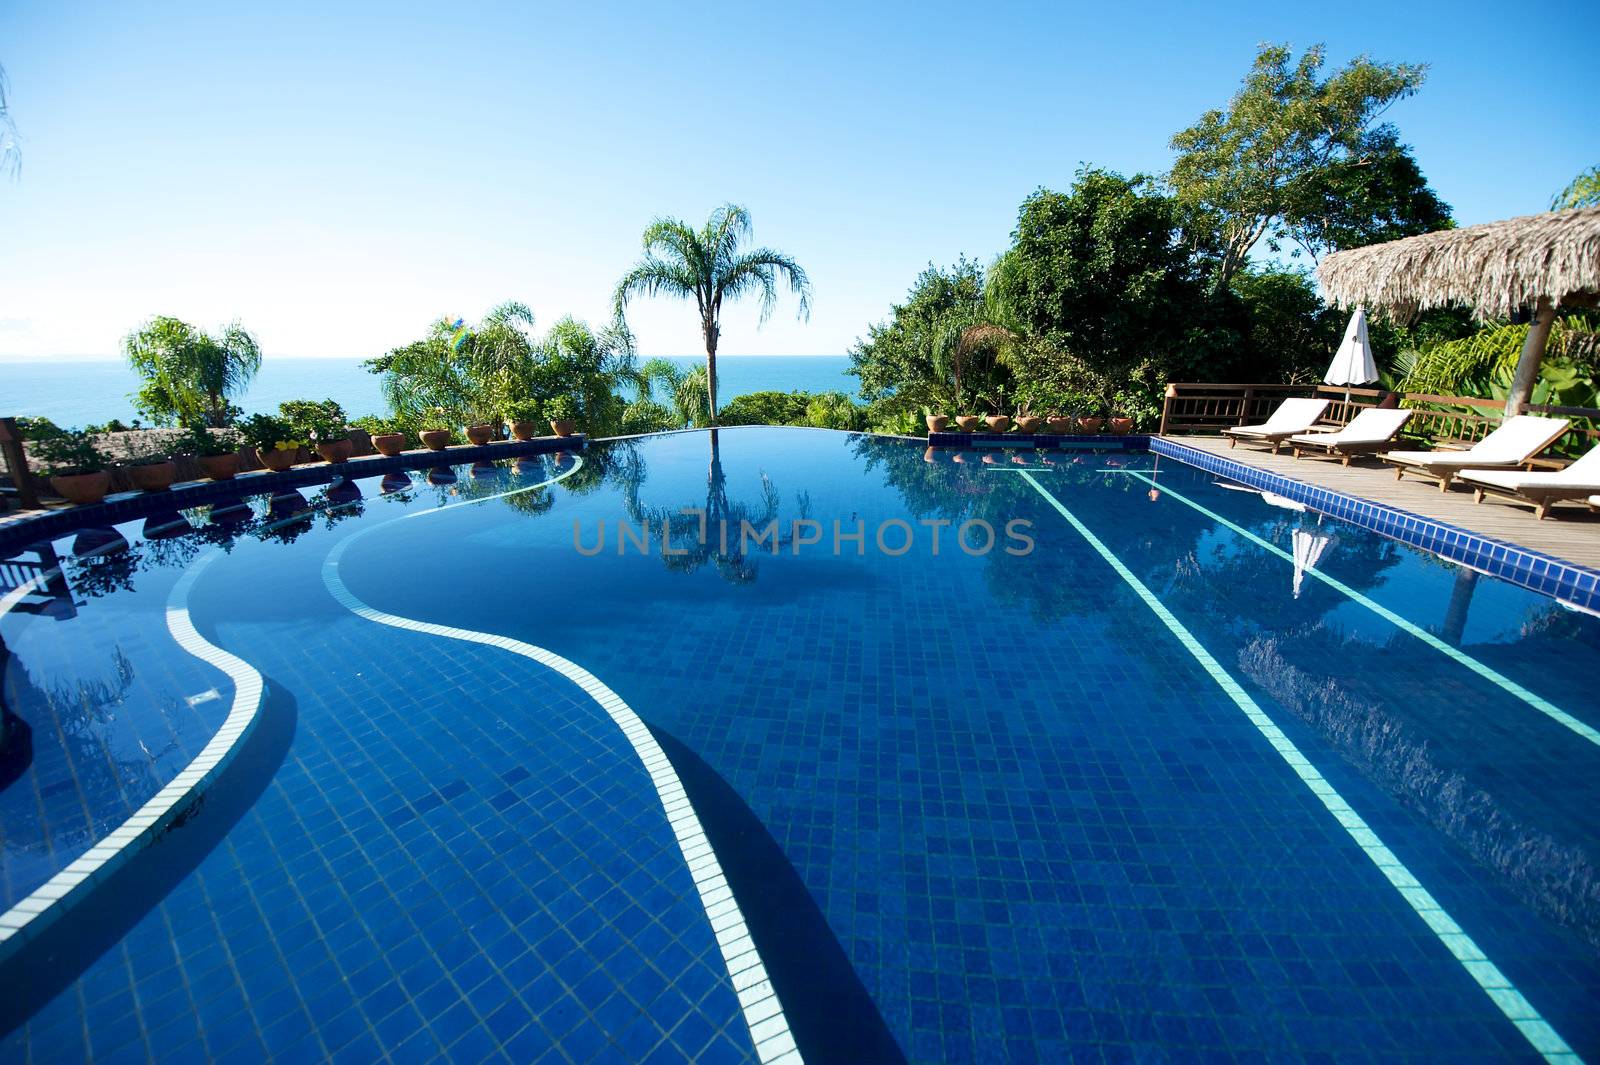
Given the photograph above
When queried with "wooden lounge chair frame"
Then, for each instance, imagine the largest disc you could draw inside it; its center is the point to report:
(1538, 496)
(1445, 474)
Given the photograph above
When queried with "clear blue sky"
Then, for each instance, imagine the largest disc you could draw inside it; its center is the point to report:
(336, 176)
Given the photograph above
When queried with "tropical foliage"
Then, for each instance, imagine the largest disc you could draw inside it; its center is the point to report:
(711, 266)
(459, 375)
(65, 452)
(190, 377)
(1583, 192)
(1483, 363)
(1296, 156)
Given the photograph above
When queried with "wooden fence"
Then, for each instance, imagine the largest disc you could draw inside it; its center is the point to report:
(1439, 420)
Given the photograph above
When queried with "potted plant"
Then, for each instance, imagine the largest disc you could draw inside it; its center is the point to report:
(937, 423)
(1058, 423)
(480, 434)
(274, 441)
(968, 423)
(560, 411)
(1090, 423)
(75, 465)
(1027, 421)
(524, 416)
(1121, 425)
(322, 424)
(150, 468)
(435, 438)
(218, 455)
(389, 444)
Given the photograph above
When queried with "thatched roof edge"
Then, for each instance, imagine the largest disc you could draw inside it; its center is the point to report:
(1497, 268)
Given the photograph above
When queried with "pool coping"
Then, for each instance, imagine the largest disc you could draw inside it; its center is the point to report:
(29, 527)
(73, 884)
(1568, 582)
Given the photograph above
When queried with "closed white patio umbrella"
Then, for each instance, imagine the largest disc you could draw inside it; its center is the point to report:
(1352, 363)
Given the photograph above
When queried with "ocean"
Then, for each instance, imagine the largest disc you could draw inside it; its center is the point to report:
(86, 392)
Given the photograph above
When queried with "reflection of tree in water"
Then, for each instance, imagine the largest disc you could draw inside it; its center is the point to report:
(1556, 879)
(87, 715)
(710, 534)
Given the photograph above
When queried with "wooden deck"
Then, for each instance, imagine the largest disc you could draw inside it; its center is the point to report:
(1571, 532)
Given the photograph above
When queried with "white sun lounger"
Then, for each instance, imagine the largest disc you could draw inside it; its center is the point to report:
(1578, 480)
(1514, 444)
(1292, 416)
(1368, 432)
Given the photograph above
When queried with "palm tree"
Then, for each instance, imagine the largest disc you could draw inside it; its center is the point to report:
(708, 267)
(189, 375)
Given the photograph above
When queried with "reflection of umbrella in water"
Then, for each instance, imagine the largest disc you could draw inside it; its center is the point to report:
(1309, 544)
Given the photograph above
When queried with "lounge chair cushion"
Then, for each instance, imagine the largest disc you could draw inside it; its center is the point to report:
(1371, 426)
(1582, 476)
(1516, 441)
(1292, 416)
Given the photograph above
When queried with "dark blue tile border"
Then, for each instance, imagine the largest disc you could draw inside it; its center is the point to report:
(1531, 569)
(17, 534)
(1034, 441)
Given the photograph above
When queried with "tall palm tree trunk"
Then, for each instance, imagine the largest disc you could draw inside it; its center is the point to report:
(711, 331)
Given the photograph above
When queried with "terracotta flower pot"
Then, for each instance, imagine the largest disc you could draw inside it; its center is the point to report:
(152, 476)
(968, 423)
(1029, 424)
(562, 426)
(277, 459)
(435, 439)
(480, 434)
(937, 423)
(998, 423)
(1122, 426)
(220, 467)
(1091, 425)
(82, 488)
(335, 450)
(1060, 426)
(524, 430)
(390, 444)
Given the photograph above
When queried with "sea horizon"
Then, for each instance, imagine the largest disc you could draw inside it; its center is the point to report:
(92, 390)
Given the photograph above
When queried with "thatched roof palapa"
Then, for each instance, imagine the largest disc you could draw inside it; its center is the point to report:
(1497, 268)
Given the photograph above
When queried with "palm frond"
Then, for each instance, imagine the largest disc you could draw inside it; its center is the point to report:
(654, 276)
(760, 270)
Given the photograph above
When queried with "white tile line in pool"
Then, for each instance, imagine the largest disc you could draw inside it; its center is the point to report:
(1459, 656)
(71, 884)
(763, 1013)
(1517, 1009)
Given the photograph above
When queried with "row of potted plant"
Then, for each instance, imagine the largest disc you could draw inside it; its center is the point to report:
(79, 469)
(1024, 422)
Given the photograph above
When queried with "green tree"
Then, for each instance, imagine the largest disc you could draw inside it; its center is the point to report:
(917, 358)
(709, 267)
(1353, 202)
(1098, 283)
(474, 375)
(1288, 142)
(1291, 334)
(1583, 192)
(684, 392)
(190, 377)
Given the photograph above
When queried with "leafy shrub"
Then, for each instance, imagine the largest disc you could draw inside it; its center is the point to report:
(41, 428)
(202, 442)
(765, 408)
(67, 452)
(310, 419)
(560, 408)
(834, 410)
(266, 433)
(524, 410)
(646, 416)
(373, 425)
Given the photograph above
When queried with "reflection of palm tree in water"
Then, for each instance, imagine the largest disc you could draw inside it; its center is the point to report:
(692, 537)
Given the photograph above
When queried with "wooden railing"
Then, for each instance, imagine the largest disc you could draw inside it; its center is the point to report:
(1439, 420)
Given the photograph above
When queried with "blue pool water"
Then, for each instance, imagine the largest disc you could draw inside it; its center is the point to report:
(1148, 789)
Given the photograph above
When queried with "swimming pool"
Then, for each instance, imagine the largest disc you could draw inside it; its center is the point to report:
(1136, 765)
